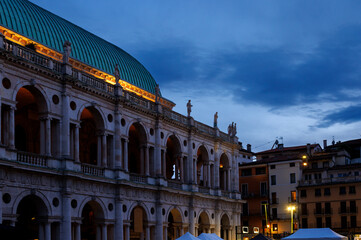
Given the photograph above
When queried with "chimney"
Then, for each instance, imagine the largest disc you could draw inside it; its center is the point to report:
(308, 149)
(324, 144)
(249, 147)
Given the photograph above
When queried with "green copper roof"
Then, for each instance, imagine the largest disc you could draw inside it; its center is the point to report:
(44, 27)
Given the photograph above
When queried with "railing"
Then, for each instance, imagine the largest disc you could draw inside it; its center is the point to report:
(274, 200)
(204, 128)
(292, 199)
(138, 178)
(27, 54)
(203, 189)
(348, 210)
(330, 180)
(92, 170)
(138, 101)
(224, 136)
(225, 193)
(31, 159)
(175, 184)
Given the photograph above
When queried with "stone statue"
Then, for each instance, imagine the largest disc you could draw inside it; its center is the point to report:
(189, 108)
(116, 74)
(229, 129)
(66, 51)
(157, 94)
(215, 121)
(234, 130)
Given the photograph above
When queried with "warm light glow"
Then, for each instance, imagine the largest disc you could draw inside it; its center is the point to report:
(275, 228)
(221, 165)
(305, 164)
(304, 157)
(268, 225)
(291, 208)
(33, 218)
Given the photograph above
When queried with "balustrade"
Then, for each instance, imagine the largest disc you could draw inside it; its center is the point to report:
(31, 159)
(92, 170)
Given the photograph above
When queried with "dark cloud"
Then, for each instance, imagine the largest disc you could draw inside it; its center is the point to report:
(346, 115)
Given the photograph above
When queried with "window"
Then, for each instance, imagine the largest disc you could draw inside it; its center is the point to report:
(303, 193)
(260, 171)
(317, 192)
(319, 222)
(274, 213)
(327, 208)
(328, 222)
(273, 180)
(344, 222)
(245, 211)
(274, 198)
(275, 227)
(327, 192)
(292, 164)
(314, 165)
(325, 164)
(353, 221)
(246, 172)
(342, 190)
(293, 196)
(264, 191)
(352, 190)
(343, 207)
(273, 166)
(304, 223)
(353, 206)
(304, 208)
(293, 178)
(244, 189)
(318, 209)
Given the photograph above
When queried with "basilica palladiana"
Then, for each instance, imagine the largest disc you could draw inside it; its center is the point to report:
(89, 147)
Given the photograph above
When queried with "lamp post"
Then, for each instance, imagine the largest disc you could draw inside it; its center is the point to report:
(291, 208)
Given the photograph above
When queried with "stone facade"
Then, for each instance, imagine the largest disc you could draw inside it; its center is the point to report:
(84, 159)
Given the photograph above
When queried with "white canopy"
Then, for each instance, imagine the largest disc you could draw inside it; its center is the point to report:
(187, 236)
(209, 236)
(315, 234)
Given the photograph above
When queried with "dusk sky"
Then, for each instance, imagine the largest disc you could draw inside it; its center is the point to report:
(288, 69)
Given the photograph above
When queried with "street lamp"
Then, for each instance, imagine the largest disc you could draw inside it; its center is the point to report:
(291, 208)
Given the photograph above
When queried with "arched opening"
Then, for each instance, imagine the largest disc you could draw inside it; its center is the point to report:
(137, 155)
(225, 226)
(92, 218)
(174, 225)
(224, 172)
(138, 224)
(174, 162)
(203, 223)
(203, 167)
(91, 138)
(32, 217)
(30, 121)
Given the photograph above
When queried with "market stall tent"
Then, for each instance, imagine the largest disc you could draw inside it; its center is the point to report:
(187, 236)
(315, 234)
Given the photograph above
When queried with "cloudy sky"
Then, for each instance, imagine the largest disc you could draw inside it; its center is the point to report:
(288, 69)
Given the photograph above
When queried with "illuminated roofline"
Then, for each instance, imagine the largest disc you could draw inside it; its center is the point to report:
(49, 52)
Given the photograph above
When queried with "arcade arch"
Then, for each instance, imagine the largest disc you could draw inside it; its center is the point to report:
(173, 161)
(225, 227)
(92, 225)
(139, 227)
(138, 150)
(224, 172)
(203, 167)
(175, 225)
(203, 223)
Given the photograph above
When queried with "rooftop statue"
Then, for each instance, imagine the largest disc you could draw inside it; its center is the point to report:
(189, 108)
(66, 51)
(157, 94)
(215, 121)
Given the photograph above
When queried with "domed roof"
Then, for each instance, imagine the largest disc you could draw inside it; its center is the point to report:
(46, 28)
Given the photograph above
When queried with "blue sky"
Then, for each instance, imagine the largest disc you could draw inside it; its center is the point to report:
(288, 69)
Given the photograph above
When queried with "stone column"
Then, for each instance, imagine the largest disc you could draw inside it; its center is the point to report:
(141, 149)
(47, 126)
(157, 153)
(225, 179)
(127, 232)
(118, 220)
(99, 150)
(191, 221)
(0, 114)
(147, 232)
(208, 175)
(165, 236)
(126, 142)
(164, 163)
(229, 179)
(195, 177)
(146, 149)
(98, 232)
(218, 223)
(66, 222)
(41, 231)
(12, 127)
(104, 150)
(65, 123)
(76, 143)
(1, 207)
(159, 223)
(104, 232)
(181, 170)
(47, 230)
(78, 231)
(117, 139)
(42, 136)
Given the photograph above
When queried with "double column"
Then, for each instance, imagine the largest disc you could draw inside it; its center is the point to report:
(45, 136)
(102, 150)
